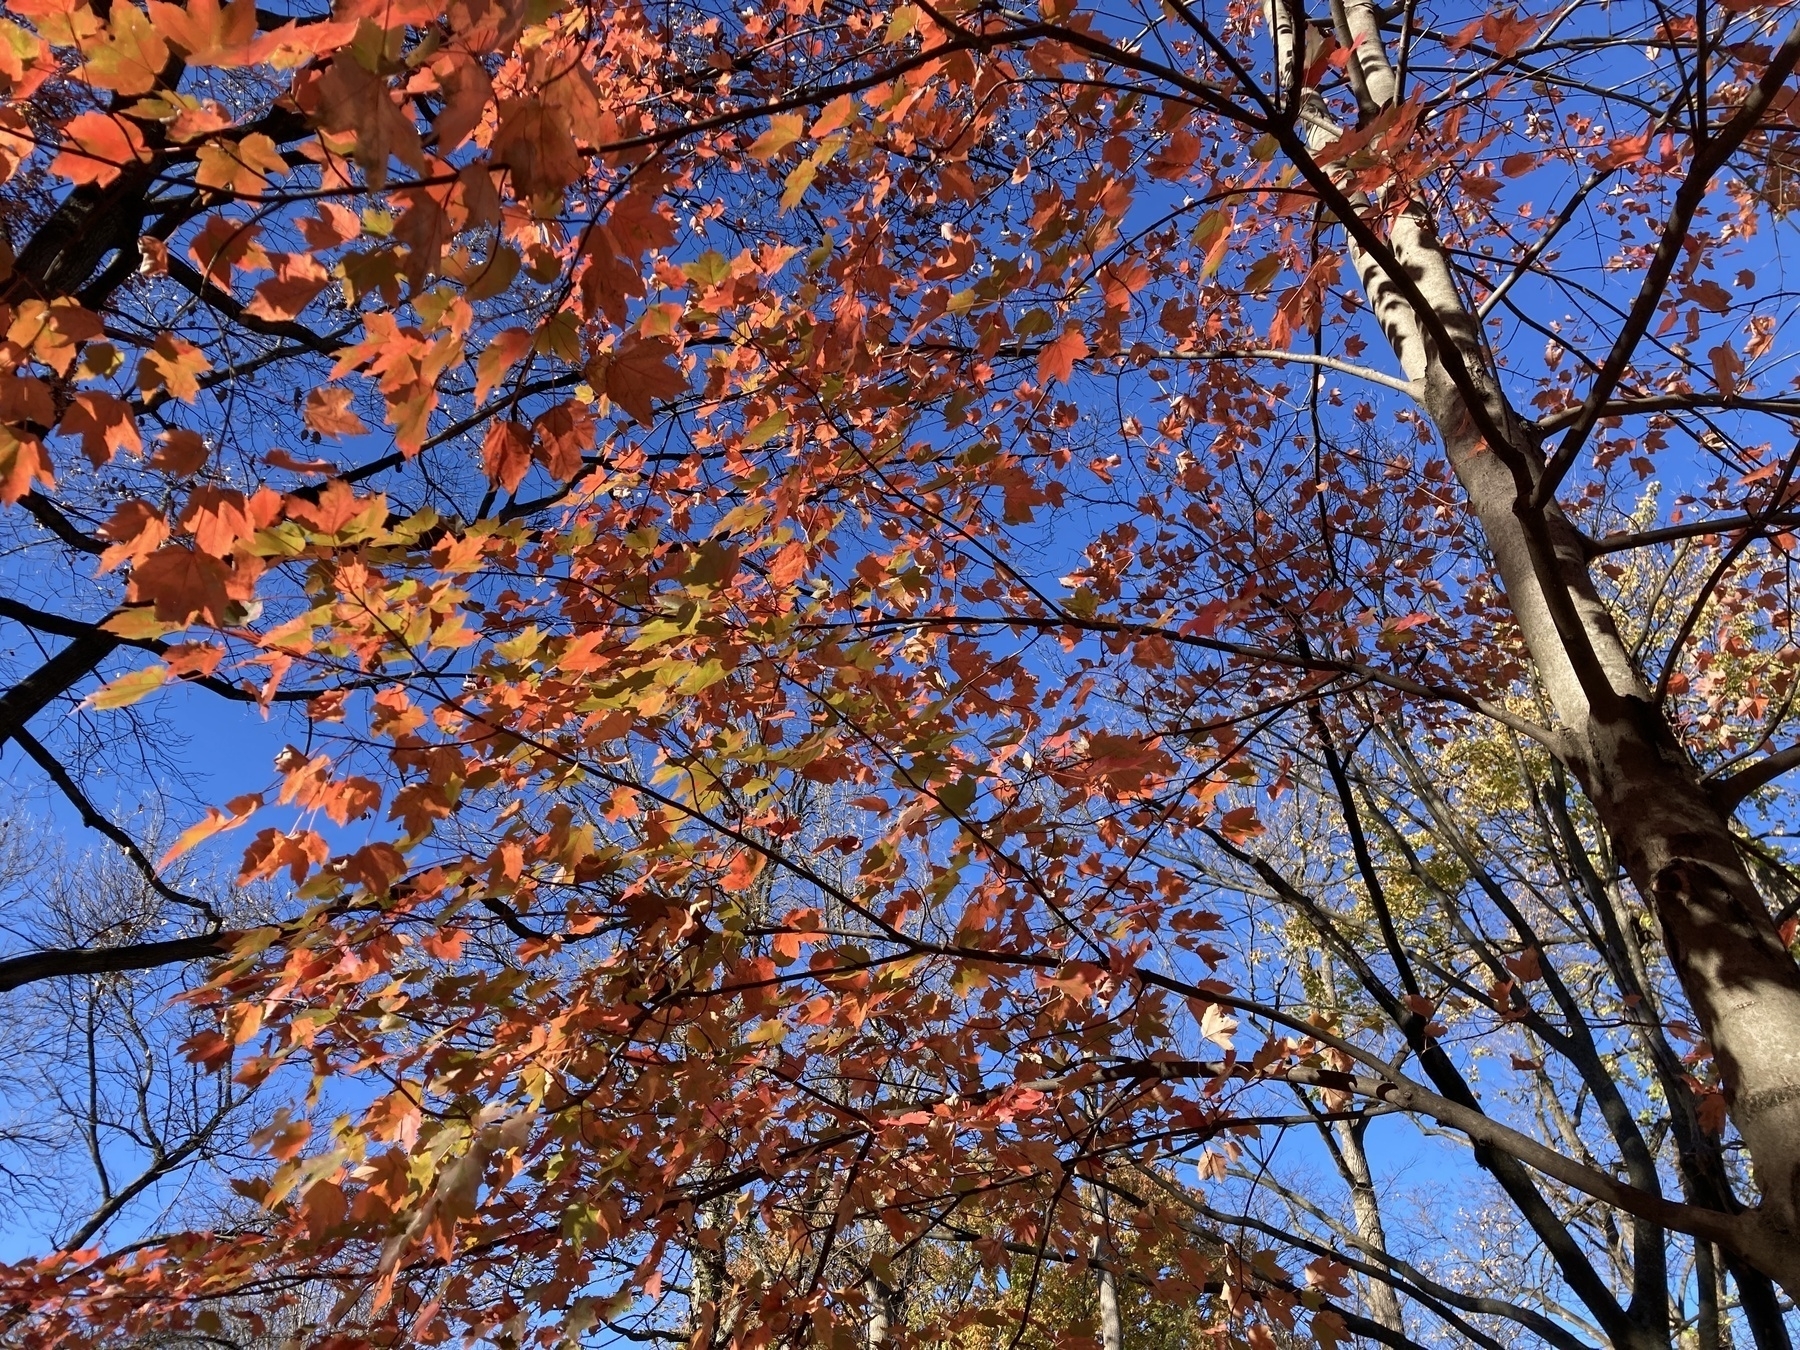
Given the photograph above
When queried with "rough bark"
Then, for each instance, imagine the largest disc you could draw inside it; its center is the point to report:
(707, 1324)
(1667, 830)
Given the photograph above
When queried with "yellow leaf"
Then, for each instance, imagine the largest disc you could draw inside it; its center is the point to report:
(905, 19)
(138, 623)
(797, 183)
(784, 130)
(765, 429)
(128, 689)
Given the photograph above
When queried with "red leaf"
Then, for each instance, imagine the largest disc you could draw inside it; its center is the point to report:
(506, 453)
(1058, 358)
(636, 375)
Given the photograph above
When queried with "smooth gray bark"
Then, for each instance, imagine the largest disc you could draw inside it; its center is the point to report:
(1670, 834)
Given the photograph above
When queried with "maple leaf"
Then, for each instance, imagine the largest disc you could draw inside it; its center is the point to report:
(180, 453)
(244, 166)
(131, 55)
(784, 130)
(174, 365)
(136, 530)
(297, 282)
(218, 518)
(279, 458)
(337, 509)
(333, 225)
(636, 375)
(358, 102)
(182, 583)
(22, 463)
(295, 852)
(506, 453)
(206, 33)
(236, 812)
(563, 435)
(467, 92)
(1176, 157)
(1057, 359)
(534, 143)
(329, 413)
(499, 356)
(222, 245)
(104, 423)
(97, 146)
(127, 689)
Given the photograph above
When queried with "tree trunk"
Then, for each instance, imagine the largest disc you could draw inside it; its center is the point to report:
(1365, 1208)
(1672, 837)
(881, 1311)
(706, 1301)
(1112, 1323)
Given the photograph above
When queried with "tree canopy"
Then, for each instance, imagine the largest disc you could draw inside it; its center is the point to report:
(924, 646)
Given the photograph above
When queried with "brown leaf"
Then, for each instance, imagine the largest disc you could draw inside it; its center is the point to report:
(359, 102)
(329, 413)
(535, 144)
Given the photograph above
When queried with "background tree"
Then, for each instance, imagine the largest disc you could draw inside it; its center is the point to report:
(963, 415)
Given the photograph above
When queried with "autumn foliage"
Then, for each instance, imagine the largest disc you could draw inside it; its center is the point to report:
(785, 531)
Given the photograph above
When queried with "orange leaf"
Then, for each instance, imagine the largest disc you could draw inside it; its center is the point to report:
(499, 356)
(97, 146)
(534, 142)
(506, 454)
(206, 34)
(136, 530)
(1057, 360)
(22, 462)
(236, 812)
(328, 412)
(182, 453)
(784, 130)
(337, 507)
(104, 424)
(297, 282)
(174, 364)
(182, 583)
(357, 101)
(282, 459)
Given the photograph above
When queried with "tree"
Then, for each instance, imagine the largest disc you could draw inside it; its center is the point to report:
(105, 1124)
(848, 533)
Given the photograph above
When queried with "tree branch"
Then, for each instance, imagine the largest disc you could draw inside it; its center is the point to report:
(1708, 161)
